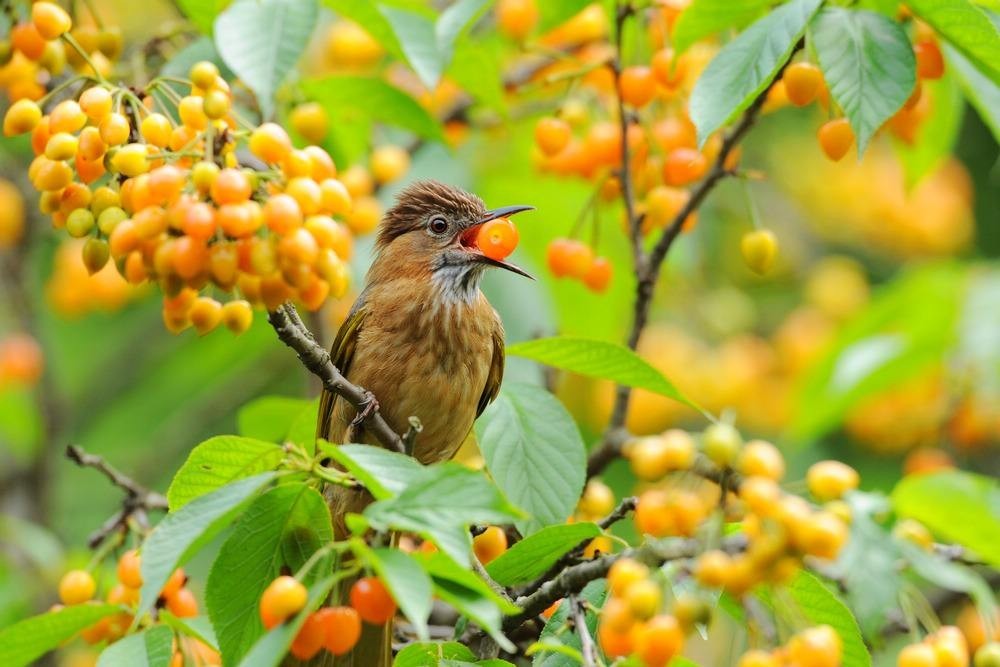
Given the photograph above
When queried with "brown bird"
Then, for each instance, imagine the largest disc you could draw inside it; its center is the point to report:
(423, 339)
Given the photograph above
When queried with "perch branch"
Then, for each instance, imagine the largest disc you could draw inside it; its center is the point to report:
(587, 647)
(293, 333)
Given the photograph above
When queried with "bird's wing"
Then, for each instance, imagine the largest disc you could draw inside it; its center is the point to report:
(341, 354)
(495, 376)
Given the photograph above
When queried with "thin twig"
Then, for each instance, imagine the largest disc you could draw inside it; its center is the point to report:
(138, 499)
(587, 647)
(293, 333)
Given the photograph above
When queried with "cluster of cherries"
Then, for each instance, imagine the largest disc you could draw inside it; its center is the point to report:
(336, 629)
(79, 587)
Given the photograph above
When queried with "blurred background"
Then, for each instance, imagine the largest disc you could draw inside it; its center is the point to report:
(876, 338)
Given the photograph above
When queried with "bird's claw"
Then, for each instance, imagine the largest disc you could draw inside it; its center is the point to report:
(368, 407)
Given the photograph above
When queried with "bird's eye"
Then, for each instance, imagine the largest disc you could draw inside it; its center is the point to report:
(438, 225)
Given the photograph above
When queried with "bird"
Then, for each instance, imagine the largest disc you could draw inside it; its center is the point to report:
(423, 339)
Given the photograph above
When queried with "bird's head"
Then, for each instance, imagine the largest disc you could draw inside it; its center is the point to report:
(436, 224)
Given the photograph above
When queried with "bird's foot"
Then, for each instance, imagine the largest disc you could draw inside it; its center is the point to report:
(368, 407)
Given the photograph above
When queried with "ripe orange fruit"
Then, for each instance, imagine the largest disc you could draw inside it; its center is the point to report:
(205, 314)
(597, 500)
(930, 62)
(310, 637)
(760, 458)
(231, 186)
(637, 85)
(823, 535)
(654, 514)
(497, 238)
(489, 544)
(114, 129)
(24, 37)
(552, 135)
(598, 276)
(307, 193)
(643, 598)
(388, 163)
(802, 83)
(129, 569)
(623, 573)
(183, 604)
(683, 166)
(517, 18)
(342, 628)
(835, 138)
(819, 646)
(372, 601)
(270, 143)
(96, 103)
(569, 257)
(284, 597)
(668, 70)
(334, 197)
(237, 316)
(21, 117)
(659, 641)
(712, 568)
(615, 643)
(76, 586)
(310, 120)
(758, 658)
(830, 480)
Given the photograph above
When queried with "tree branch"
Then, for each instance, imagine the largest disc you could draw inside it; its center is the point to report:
(587, 647)
(138, 499)
(648, 272)
(293, 333)
(573, 579)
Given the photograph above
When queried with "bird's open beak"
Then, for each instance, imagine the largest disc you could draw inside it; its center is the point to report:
(468, 239)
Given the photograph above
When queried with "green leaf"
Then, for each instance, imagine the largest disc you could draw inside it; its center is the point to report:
(261, 41)
(149, 648)
(423, 654)
(868, 64)
(868, 564)
(467, 593)
(822, 607)
(280, 419)
(415, 33)
(599, 359)
(382, 472)
(476, 69)
(704, 18)
(25, 641)
(967, 28)
(441, 567)
(937, 134)
(894, 338)
(271, 648)
(180, 534)
(534, 555)
(219, 461)
(373, 98)
(440, 504)
(429, 45)
(982, 93)
(409, 585)
(555, 632)
(202, 13)
(745, 66)
(959, 506)
(282, 528)
(950, 575)
(534, 451)
(453, 22)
